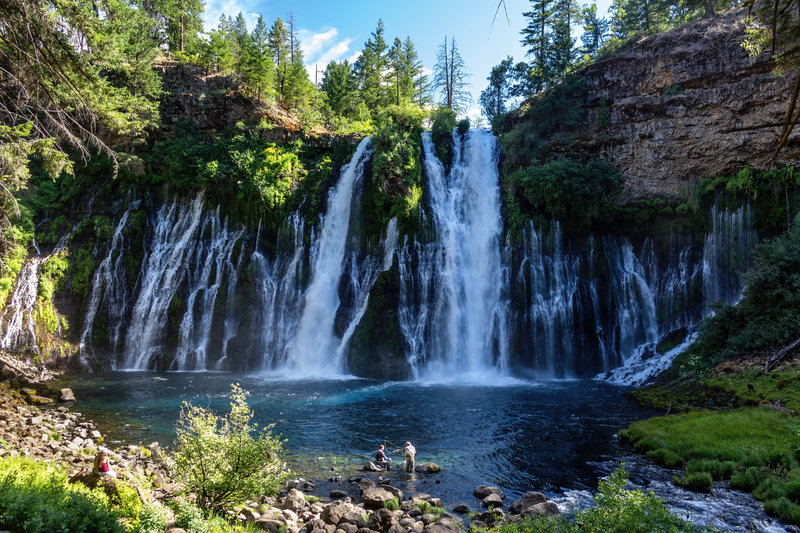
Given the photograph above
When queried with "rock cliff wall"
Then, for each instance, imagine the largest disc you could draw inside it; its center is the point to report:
(684, 105)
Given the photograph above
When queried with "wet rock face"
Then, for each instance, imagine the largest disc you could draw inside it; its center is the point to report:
(687, 104)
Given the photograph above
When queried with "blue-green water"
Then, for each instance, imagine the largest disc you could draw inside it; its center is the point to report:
(520, 436)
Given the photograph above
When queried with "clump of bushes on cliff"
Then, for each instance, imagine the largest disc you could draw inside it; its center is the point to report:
(755, 448)
(577, 193)
(396, 185)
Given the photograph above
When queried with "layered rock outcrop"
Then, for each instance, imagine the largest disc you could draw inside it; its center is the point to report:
(671, 109)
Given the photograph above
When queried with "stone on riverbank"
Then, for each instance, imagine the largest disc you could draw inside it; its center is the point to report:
(482, 491)
(67, 395)
(428, 468)
(492, 500)
(376, 497)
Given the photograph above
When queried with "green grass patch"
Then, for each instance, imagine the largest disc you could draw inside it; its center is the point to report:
(697, 482)
(718, 470)
(665, 457)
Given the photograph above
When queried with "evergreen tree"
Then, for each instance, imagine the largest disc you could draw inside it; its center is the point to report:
(298, 89)
(413, 80)
(183, 22)
(493, 98)
(450, 77)
(238, 33)
(278, 40)
(595, 30)
(339, 87)
(536, 38)
(370, 69)
(258, 67)
(562, 45)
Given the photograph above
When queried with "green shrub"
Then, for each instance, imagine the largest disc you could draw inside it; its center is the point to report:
(35, 497)
(577, 193)
(697, 482)
(748, 479)
(783, 509)
(443, 123)
(191, 518)
(770, 488)
(793, 490)
(218, 458)
(392, 505)
(719, 470)
(665, 457)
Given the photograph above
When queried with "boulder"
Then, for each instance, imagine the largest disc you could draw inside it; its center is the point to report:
(346, 528)
(482, 491)
(545, 508)
(376, 497)
(528, 499)
(381, 520)
(338, 493)
(67, 395)
(39, 400)
(365, 483)
(333, 512)
(491, 516)
(394, 490)
(492, 500)
(427, 468)
(369, 466)
(354, 517)
(294, 501)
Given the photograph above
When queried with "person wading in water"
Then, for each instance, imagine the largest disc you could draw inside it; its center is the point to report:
(409, 452)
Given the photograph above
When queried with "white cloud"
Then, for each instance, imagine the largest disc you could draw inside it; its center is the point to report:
(313, 43)
(230, 8)
(321, 48)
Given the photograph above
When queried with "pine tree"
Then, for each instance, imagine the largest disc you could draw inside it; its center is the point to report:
(183, 22)
(493, 98)
(562, 46)
(450, 77)
(339, 87)
(298, 89)
(370, 70)
(278, 39)
(595, 30)
(537, 37)
(258, 67)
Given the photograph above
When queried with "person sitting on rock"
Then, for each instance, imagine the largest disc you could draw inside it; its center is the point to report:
(409, 452)
(101, 466)
(381, 459)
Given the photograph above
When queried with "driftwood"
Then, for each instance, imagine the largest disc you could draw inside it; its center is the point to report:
(780, 356)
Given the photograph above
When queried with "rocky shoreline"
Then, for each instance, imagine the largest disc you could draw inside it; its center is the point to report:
(35, 424)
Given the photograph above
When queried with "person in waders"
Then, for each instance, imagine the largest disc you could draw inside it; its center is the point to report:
(381, 459)
(409, 452)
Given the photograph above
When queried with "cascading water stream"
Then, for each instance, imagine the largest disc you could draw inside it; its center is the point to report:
(314, 350)
(109, 281)
(462, 331)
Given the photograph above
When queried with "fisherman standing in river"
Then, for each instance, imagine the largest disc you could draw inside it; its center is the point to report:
(409, 452)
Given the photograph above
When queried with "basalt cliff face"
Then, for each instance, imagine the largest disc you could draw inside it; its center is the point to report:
(671, 109)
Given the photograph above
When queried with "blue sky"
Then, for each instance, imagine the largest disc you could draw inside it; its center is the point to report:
(337, 30)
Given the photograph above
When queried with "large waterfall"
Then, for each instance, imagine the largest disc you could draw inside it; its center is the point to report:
(464, 303)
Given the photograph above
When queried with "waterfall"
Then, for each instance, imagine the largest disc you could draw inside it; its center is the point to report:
(280, 293)
(108, 280)
(19, 329)
(727, 252)
(452, 314)
(212, 255)
(315, 348)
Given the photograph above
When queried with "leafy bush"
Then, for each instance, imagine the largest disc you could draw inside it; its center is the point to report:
(719, 470)
(784, 509)
(442, 126)
(35, 497)
(665, 457)
(392, 504)
(697, 482)
(574, 192)
(218, 458)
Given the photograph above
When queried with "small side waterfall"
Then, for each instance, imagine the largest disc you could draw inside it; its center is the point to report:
(315, 348)
(17, 318)
(108, 282)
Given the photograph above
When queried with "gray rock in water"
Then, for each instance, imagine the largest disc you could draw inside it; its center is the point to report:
(67, 395)
(529, 499)
(461, 509)
(369, 466)
(546, 508)
(492, 500)
(338, 493)
(365, 483)
(482, 491)
(427, 468)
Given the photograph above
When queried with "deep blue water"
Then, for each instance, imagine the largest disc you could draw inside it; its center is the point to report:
(520, 436)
